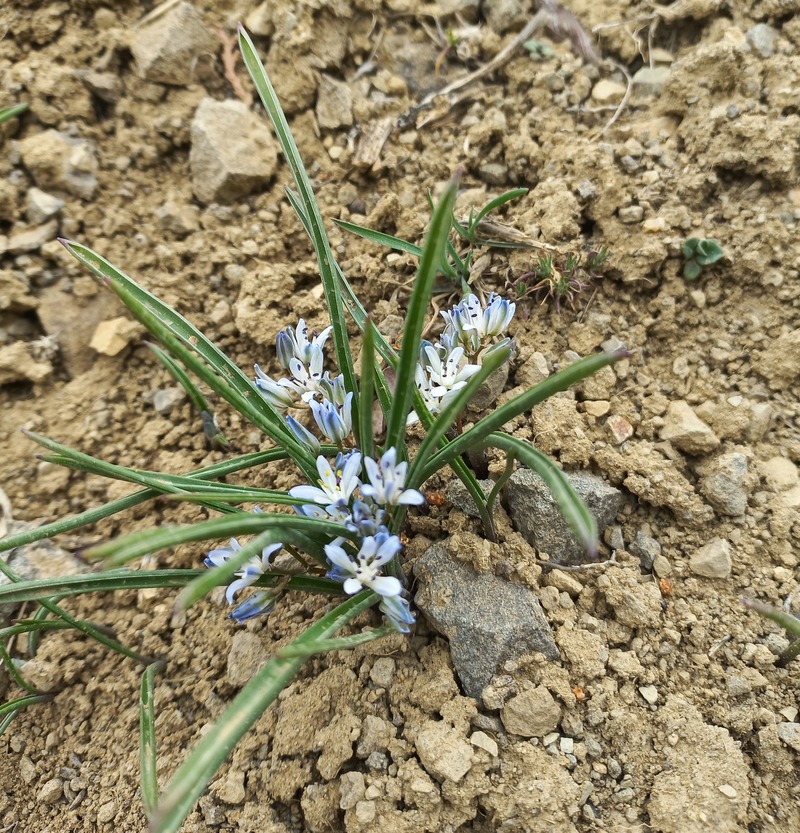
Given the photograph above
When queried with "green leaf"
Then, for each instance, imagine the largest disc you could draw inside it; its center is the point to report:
(476, 435)
(11, 112)
(431, 257)
(147, 738)
(364, 434)
(322, 646)
(11, 708)
(380, 238)
(313, 218)
(197, 771)
(689, 247)
(691, 270)
(708, 252)
(494, 204)
(574, 510)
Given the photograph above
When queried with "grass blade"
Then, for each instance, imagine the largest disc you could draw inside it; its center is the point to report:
(12, 707)
(432, 256)
(147, 738)
(11, 112)
(496, 203)
(322, 646)
(364, 437)
(380, 238)
(196, 772)
(574, 510)
(319, 238)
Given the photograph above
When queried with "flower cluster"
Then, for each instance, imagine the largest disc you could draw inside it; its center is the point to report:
(354, 490)
(446, 366)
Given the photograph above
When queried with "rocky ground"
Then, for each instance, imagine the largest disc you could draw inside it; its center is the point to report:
(654, 702)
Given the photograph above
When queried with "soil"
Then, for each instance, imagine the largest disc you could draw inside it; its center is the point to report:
(670, 711)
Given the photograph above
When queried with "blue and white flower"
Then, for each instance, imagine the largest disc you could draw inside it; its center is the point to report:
(386, 481)
(398, 612)
(474, 325)
(366, 519)
(363, 569)
(335, 422)
(303, 435)
(276, 393)
(448, 373)
(336, 482)
(295, 344)
(249, 573)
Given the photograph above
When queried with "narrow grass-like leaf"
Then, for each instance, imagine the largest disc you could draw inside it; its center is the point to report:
(12, 111)
(14, 706)
(432, 255)
(524, 402)
(120, 551)
(91, 516)
(31, 626)
(495, 203)
(380, 238)
(791, 624)
(319, 237)
(196, 352)
(13, 672)
(196, 772)
(322, 646)
(574, 510)
(364, 436)
(147, 738)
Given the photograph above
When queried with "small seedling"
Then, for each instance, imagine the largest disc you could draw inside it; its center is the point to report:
(697, 255)
(562, 282)
(11, 112)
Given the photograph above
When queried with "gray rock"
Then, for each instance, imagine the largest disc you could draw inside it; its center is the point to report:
(494, 173)
(51, 791)
(531, 714)
(649, 81)
(724, 483)
(686, 431)
(334, 104)
(646, 549)
(457, 494)
(486, 619)
(168, 49)
(486, 395)
(789, 733)
(713, 560)
(61, 162)
(179, 218)
(631, 214)
(31, 239)
(41, 206)
(538, 518)
(762, 39)
(165, 399)
(232, 153)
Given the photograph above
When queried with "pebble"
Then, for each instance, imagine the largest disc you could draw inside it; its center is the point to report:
(631, 214)
(334, 103)
(32, 239)
(111, 337)
(443, 751)
(51, 791)
(761, 38)
(650, 81)
(728, 790)
(493, 173)
(533, 713)
(167, 50)
(352, 786)
(179, 218)
(41, 206)
(165, 399)
(107, 812)
(382, 671)
(61, 162)
(606, 91)
(224, 170)
(661, 566)
(789, 733)
(724, 483)
(620, 429)
(567, 746)
(686, 431)
(649, 693)
(713, 560)
(483, 741)
(781, 474)
(646, 549)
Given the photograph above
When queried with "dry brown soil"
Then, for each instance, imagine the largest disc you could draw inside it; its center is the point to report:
(671, 717)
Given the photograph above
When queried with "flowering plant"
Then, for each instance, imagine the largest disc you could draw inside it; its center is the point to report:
(337, 531)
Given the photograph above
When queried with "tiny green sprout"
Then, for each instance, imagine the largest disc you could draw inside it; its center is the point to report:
(11, 112)
(697, 255)
(538, 50)
(791, 624)
(562, 282)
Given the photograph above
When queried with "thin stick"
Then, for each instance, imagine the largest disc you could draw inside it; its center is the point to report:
(621, 105)
(230, 56)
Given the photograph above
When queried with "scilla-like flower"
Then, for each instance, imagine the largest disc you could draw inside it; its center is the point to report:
(363, 569)
(277, 394)
(475, 326)
(336, 482)
(335, 422)
(249, 573)
(447, 373)
(295, 344)
(397, 611)
(303, 435)
(386, 481)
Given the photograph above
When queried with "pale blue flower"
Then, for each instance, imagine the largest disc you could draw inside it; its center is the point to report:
(366, 519)
(336, 482)
(295, 344)
(276, 393)
(474, 325)
(248, 574)
(363, 569)
(336, 423)
(398, 612)
(447, 373)
(305, 378)
(386, 481)
(333, 389)
(303, 435)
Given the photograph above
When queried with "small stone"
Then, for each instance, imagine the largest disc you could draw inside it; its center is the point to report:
(780, 362)
(230, 789)
(567, 746)
(606, 91)
(231, 153)
(619, 428)
(537, 516)
(789, 733)
(761, 38)
(31, 239)
(646, 549)
(261, 21)
(247, 654)
(334, 104)
(648, 82)
(649, 693)
(725, 483)
(686, 431)
(493, 173)
(179, 218)
(654, 225)
(366, 812)
(781, 474)
(631, 214)
(51, 791)
(168, 49)
(107, 812)
(165, 399)
(483, 741)
(382, 672)
(728, 790)
(41, 206)
(112, 337)
(351, 789)
(17, 364)
(61, 162)
(532, 713)
(597, 407)
(443, 751)
(713, 560)
(661, 566)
